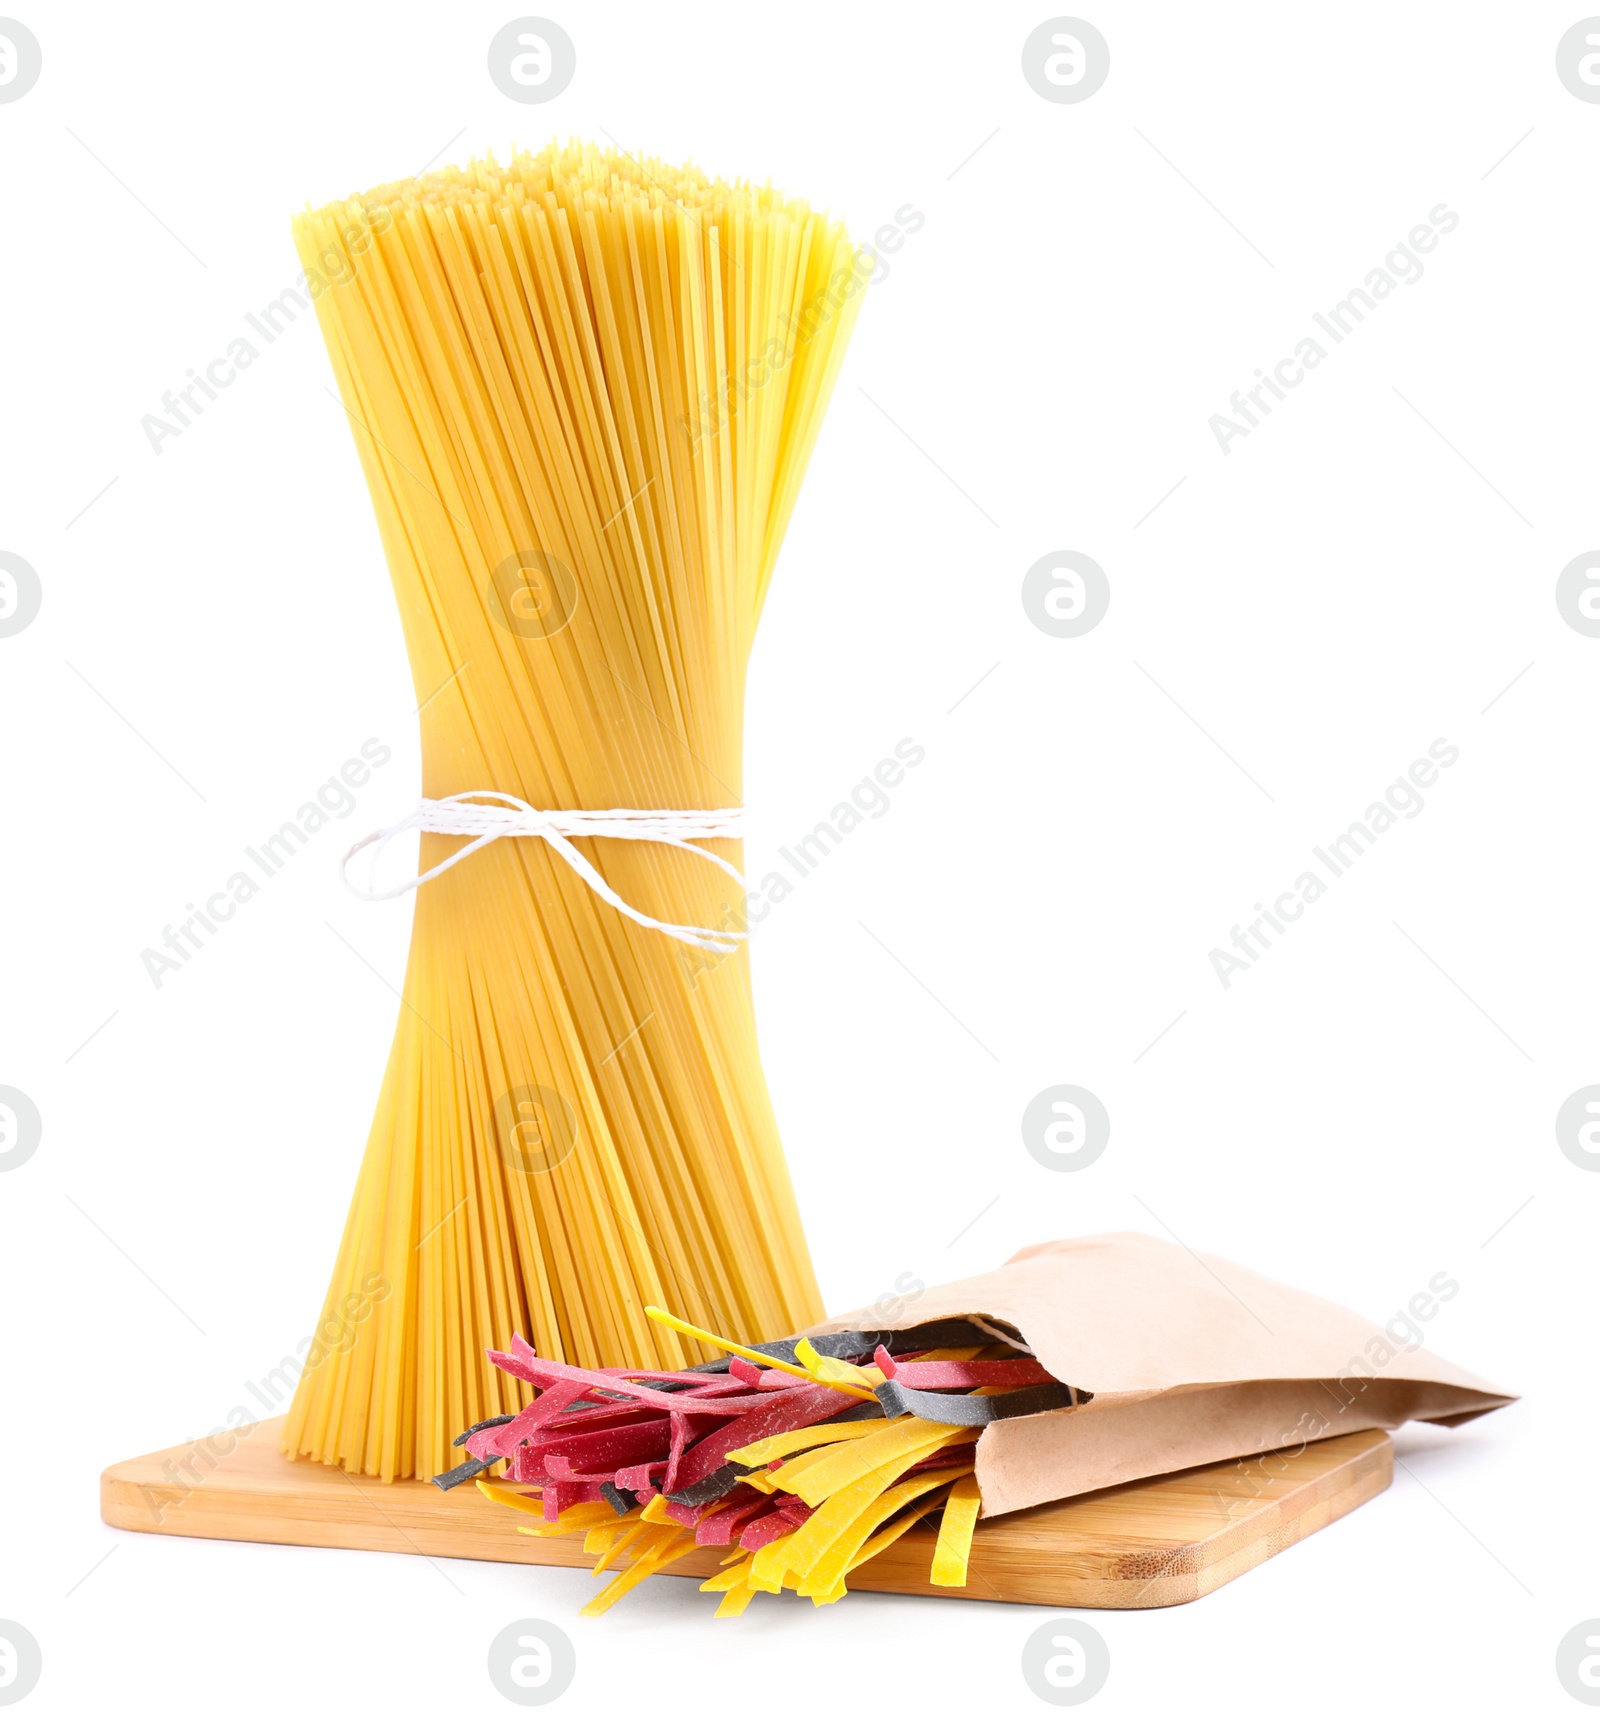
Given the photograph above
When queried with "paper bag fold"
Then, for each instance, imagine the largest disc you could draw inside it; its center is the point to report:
(1188, 1359)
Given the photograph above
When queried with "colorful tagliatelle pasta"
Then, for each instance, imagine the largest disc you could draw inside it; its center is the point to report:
(805, 1458)
(801, 1460)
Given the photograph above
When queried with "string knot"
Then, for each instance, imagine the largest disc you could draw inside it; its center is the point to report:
(485, 815)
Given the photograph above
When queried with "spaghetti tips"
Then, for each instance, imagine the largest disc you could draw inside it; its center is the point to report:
(584, 389)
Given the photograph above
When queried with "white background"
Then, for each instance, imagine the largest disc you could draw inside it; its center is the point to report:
(1371, 1103)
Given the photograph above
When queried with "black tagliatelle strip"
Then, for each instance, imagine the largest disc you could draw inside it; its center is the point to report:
(975, 1409)
(863, 1343)
(712, 1488)
(621, 1501)
(469, 1469)
(482, 1425)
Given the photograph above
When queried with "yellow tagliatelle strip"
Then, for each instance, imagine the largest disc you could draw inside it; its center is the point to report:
(955, 1533)
(579, 1518)
(751, 1356)
(841, 1374)
(791, 1442)
(836, 1373)
(829, 1570)
(634, 1530)
(736, 1600)
(880, 1541)
(655, 1553)
(515, 1499)
(815, 1479)
(770, 1564)
(835, 1514)
(795, 1469)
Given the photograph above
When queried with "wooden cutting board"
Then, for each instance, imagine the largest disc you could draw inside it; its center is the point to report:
(1161, 1541)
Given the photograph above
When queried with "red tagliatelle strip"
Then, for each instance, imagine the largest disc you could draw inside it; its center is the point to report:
(758, 1534)
(741, 1370)
(952, 1452)
(549, 1410)
(708, 1385)
(546, 1373)
(707, 1382)
(782, 1410)
(679, 1441)
(726, 1517)
(612, 1416)
(593, 1451)
(561, 1494)
(499, 1440)
(962, 1373)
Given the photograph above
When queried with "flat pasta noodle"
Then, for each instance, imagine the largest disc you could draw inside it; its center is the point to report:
(956, 1526)
(819, 1475)
(658, 1551)
(827, 1573)
(792, 1442)
(835, 1513)
(735, 1601)
(584, 388)
(526, 1501)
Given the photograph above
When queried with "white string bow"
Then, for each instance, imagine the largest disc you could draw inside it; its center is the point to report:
(485, 815)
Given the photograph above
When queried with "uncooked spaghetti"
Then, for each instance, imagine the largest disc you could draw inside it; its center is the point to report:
(584, 389)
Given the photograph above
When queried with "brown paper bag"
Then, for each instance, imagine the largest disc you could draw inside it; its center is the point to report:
(1185, 1359)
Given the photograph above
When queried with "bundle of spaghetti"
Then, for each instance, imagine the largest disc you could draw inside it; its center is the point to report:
(584, 388)
(807, 1464)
